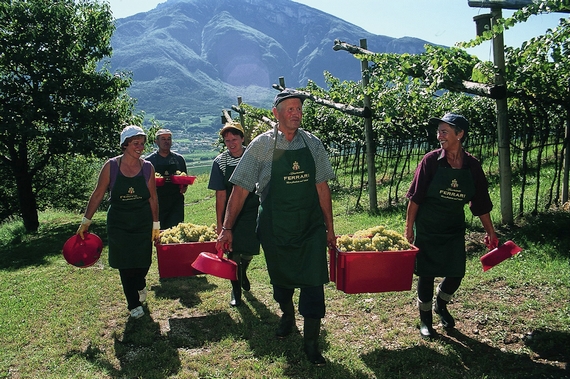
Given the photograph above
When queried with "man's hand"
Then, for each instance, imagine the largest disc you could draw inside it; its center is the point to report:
(224, 241)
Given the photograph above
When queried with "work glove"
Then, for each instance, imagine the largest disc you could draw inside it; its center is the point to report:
(155, 231)
(83, 227)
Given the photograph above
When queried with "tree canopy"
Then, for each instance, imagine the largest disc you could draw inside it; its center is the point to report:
(56, 98)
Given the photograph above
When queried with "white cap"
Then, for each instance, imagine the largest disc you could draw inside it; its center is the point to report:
(131, 131)
(163, 131)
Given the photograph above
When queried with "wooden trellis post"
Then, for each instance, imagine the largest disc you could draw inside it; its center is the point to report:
(369, 136)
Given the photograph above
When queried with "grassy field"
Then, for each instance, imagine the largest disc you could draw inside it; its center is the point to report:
(58, 321)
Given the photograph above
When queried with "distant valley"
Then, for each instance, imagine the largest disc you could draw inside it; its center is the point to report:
(192, 58)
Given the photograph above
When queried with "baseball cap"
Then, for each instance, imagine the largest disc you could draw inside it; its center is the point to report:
(287, 93)
(131, 131)
(232, 125)
(163, 131)
(452, 119)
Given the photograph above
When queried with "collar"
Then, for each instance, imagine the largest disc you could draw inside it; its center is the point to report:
(442, 161)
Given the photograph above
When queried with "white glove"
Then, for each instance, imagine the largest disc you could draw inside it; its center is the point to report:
(155, 230)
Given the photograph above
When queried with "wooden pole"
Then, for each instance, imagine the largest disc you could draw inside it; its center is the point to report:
(344, 108)
(226, 116)
(566, 156)
(369, 135)
(266, 120)
(505, 173)
(481, 89)
(241, 116)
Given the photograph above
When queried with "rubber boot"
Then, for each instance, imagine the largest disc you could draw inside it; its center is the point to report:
(287, 320)
(311, 331)
(244, 264)
(440, 307)
(236, 293)
(426, 320)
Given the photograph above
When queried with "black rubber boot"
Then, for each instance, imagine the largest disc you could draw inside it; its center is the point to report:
(236, 293)
(287, 320)
(426, 324)
(440, 307)
(311, 331)
(244, 264)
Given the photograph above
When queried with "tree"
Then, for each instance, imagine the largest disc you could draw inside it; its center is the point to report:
(55, 101)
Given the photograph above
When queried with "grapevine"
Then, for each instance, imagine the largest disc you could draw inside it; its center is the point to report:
(188, 232)
(376, 238)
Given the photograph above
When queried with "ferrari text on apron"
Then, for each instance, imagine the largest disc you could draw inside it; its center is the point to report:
(440, 224)
(129, 223)
(291, 222)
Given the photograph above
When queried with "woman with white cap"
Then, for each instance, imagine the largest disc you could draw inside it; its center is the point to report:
(445, 180)
(132, 217)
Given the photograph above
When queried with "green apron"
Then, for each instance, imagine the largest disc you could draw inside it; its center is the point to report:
(170, 200)
(129, 223)
(245, 239)
(291, 223)
(440, 224)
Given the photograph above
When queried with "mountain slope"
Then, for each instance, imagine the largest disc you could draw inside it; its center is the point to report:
(191, 58)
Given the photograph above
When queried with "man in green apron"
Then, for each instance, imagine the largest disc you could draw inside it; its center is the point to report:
(245, 242)
(289, 169)
(445, 180)
(170, 196)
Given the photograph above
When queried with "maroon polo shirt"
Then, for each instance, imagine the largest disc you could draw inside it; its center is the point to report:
(479, 204)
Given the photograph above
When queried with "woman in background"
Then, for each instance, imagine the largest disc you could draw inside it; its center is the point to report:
(246, 243)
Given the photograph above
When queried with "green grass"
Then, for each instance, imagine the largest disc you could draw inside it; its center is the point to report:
(58, 321)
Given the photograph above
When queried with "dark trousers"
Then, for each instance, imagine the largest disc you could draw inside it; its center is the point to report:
(133, 280)
(425, 287)
(311, 300)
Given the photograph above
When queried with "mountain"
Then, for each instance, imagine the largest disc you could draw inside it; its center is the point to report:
(192, 58)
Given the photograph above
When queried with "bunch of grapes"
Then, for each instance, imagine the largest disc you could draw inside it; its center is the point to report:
(377, 238)
(188, 232)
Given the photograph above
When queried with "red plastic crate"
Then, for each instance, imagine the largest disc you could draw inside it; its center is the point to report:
(175, 259)
(372, 271)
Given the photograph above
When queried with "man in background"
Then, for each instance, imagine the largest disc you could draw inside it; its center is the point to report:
(170, 196)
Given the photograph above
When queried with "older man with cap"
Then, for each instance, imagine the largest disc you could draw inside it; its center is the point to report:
(445, 180)
(289, 169)
(167, 163)
(132, 217)
(245, 243)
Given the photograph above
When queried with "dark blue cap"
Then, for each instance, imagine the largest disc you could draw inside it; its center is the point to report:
(287, 94)
(452, 119)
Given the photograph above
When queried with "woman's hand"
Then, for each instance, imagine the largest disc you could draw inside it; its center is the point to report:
(491, 241)
(83, 227)
(409, 234)
(155, 231)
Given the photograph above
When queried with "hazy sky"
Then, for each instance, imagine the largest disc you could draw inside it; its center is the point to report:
(443, 22)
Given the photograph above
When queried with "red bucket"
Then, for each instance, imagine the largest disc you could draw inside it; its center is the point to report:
(82, 252)
(216, 264)
(499, 254)
(372, 271)
(175, 259)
